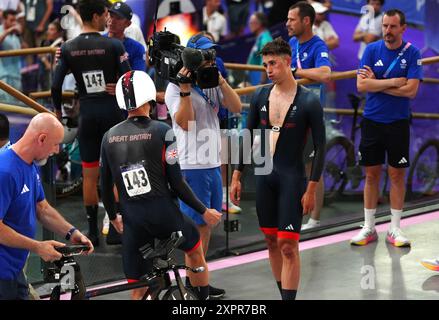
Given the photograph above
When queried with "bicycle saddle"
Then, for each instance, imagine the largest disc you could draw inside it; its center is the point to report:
(163, 248)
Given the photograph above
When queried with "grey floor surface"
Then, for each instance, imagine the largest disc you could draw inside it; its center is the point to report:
(339, 271)
(105, 264)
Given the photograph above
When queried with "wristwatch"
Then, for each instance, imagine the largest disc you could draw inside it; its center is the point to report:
(185, 94)
(293, 70)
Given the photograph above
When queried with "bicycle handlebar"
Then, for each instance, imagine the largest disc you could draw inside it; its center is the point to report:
(72, 250)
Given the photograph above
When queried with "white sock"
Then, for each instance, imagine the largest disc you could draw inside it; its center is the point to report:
(369, 218)
(313, 222)
(396, 218)
(224, 194)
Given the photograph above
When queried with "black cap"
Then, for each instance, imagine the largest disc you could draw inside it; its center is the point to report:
(122, 10)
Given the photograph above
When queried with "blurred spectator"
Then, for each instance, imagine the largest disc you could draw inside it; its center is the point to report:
(258, 26)
(120, 19)
(134, 32)
(72, 26)
(238, 11)
(37, 14)
(367, 30)
(9, 5)
(136, 20)
(214, 21)
(264, 6)
(4, 132)
(326, 3)
(322, 28)
(9, 40)
(54, 38)
(277, 12)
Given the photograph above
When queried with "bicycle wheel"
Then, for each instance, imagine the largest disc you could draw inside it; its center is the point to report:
(174, 294)
(69, 176)
(68, 188)
(339, 157)
(424, 170)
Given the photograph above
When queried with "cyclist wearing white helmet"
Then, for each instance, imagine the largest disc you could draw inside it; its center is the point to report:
(139, 156)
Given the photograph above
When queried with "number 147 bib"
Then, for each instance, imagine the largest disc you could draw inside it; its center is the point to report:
(94, 81)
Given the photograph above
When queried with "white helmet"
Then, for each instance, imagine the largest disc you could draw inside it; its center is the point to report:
(134, 89)
(70, 129)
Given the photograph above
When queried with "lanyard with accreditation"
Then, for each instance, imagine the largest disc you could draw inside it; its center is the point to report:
(299, 64)
(392, 65)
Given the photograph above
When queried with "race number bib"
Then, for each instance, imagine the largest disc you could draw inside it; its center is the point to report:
(135, 179)
(31, 14)
(94, 81)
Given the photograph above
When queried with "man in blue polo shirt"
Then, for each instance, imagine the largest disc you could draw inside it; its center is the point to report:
(120, 19)
(22, 203)
(310, 60)
(390, 72)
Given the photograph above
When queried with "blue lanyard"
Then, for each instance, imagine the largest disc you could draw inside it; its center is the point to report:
(205, 97)
(299, 64)
(392, 65)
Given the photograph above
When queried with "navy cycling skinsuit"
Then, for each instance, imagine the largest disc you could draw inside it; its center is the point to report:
(279, 193)
(139, 155)
(94, 61)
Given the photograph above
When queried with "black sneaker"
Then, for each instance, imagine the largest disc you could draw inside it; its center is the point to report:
(216, 293)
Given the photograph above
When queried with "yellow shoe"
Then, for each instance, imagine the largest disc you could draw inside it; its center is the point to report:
(431, 264)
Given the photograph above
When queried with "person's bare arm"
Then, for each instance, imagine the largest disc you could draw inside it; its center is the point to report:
(369, 37)
(49, 9)
(332, 42)
(7, 32)
(378, 85)
(51, 219)
(408, 90)
(366, 81)
(45, 249)
(160, 97)
(185, 112)
(231, 99)
(360, 35)
(321, 74)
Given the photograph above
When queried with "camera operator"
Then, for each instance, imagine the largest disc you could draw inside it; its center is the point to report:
(194, 113)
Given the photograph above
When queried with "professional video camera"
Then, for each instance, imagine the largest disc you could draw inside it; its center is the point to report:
(168, 57)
